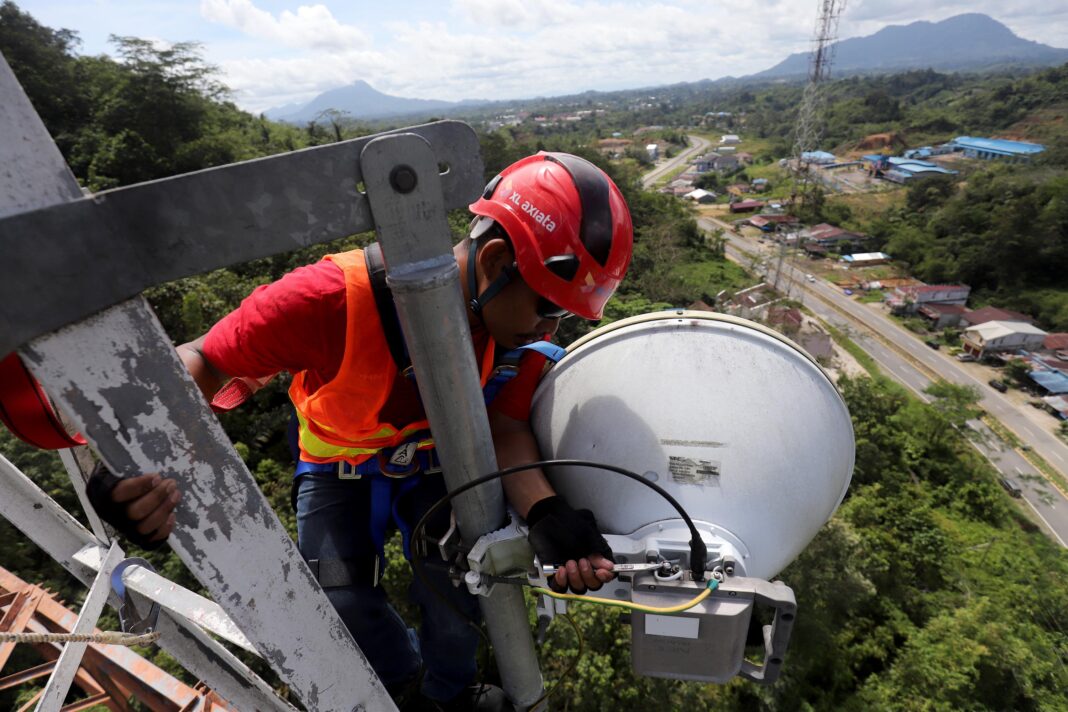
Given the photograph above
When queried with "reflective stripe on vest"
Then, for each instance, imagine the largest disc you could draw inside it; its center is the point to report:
(340, 420)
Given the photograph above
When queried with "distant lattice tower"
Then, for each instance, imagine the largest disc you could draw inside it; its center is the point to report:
(809, 128)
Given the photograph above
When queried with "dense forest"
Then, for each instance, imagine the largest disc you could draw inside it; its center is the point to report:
(927, 591)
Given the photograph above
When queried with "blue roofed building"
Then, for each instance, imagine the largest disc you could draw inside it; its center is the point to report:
(902, 170)
(1045, 374)
(996, 148)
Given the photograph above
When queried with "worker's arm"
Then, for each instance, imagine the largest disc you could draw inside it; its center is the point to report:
(514, 444)
(208, 377)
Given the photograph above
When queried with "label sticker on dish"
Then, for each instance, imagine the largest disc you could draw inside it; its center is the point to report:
(692, 471)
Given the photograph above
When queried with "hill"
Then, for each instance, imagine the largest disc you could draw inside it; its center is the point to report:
(964, 42)
(360, 101)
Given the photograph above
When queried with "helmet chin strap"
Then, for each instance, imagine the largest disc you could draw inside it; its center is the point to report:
(479, 301)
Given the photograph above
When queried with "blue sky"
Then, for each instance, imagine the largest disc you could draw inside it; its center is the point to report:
(274, 52)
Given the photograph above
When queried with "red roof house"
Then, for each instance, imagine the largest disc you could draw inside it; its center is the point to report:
(982, 316)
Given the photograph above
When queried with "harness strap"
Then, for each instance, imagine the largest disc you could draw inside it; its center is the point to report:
(25, 410)
(387, 309)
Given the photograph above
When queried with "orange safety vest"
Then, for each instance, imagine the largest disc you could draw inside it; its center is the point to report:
(340, 420)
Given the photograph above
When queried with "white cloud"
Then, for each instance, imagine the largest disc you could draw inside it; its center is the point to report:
(312, 26)
(523, 14)
(501, 49)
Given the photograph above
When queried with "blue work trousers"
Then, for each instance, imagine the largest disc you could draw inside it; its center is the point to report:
(332, 523)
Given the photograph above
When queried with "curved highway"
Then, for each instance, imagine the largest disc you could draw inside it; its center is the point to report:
(698, 146)
(906, 359)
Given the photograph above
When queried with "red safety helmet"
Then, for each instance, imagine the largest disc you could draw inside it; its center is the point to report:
(568, 224)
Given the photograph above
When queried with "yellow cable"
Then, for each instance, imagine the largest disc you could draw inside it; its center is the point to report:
(712, 584)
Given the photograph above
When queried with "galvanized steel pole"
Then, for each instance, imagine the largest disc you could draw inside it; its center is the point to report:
(403, 185)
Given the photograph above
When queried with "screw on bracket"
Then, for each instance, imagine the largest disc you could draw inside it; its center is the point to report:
(403, 179)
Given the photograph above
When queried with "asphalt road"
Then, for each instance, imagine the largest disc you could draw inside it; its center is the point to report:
(904, 357)
(698, 146)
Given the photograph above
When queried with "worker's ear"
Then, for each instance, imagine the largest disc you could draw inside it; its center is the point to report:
(493, 257)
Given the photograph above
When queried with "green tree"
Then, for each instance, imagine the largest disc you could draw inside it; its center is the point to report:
(958, 403)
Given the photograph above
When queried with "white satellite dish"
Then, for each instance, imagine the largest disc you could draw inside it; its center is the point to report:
(736, 421)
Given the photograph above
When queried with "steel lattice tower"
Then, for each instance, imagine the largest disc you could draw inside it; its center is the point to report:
(809, 129)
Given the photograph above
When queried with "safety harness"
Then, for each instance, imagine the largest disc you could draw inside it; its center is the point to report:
(391, 473)
(26, 410)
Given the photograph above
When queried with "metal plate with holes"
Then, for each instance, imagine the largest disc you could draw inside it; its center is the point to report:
(96, 251)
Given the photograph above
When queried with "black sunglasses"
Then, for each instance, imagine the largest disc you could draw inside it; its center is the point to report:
(548, 310)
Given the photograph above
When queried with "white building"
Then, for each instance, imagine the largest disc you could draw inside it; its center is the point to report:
(653, 150)
(994, 336)
(865, 259)
(728, 139)
(701, 196)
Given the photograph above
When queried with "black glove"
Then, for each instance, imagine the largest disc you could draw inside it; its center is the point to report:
(560, 534)
(99, 487)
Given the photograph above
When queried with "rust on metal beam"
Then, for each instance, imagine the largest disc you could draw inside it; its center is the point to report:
(109, 673)
(26, 675)
(15, 620)
(87, 703)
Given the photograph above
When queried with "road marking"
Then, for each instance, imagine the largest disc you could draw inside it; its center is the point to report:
(1035, 509)
(1044, 521)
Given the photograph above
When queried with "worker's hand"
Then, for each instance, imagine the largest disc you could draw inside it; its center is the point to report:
(569, 539)
(587, 574)
(141, 508)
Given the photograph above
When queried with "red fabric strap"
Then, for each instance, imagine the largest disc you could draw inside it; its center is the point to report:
(25, 410)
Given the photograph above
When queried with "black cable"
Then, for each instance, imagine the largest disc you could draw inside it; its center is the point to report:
(698, 550)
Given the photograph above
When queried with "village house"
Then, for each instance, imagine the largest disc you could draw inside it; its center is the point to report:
(785, 320)
(701, 196)
(834, 238)
(743, 206)
(729, 139)
(716, 162)
(982, 316)
(1045, 374)
(705, 163)
(865, 259)
(751, 303)
(1057, 343)
(772, 222)
(942, 316)
(819, 158)
(1001, 337)
(907, 300)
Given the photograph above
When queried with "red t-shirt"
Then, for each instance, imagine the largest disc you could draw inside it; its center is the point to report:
(298, 324)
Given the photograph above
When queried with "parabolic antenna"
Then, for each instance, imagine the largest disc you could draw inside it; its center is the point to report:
(736, 421)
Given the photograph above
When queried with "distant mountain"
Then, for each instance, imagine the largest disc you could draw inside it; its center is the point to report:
(964, 42)
(361, 101)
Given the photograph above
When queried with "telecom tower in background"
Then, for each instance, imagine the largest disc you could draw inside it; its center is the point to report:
(809, 129)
